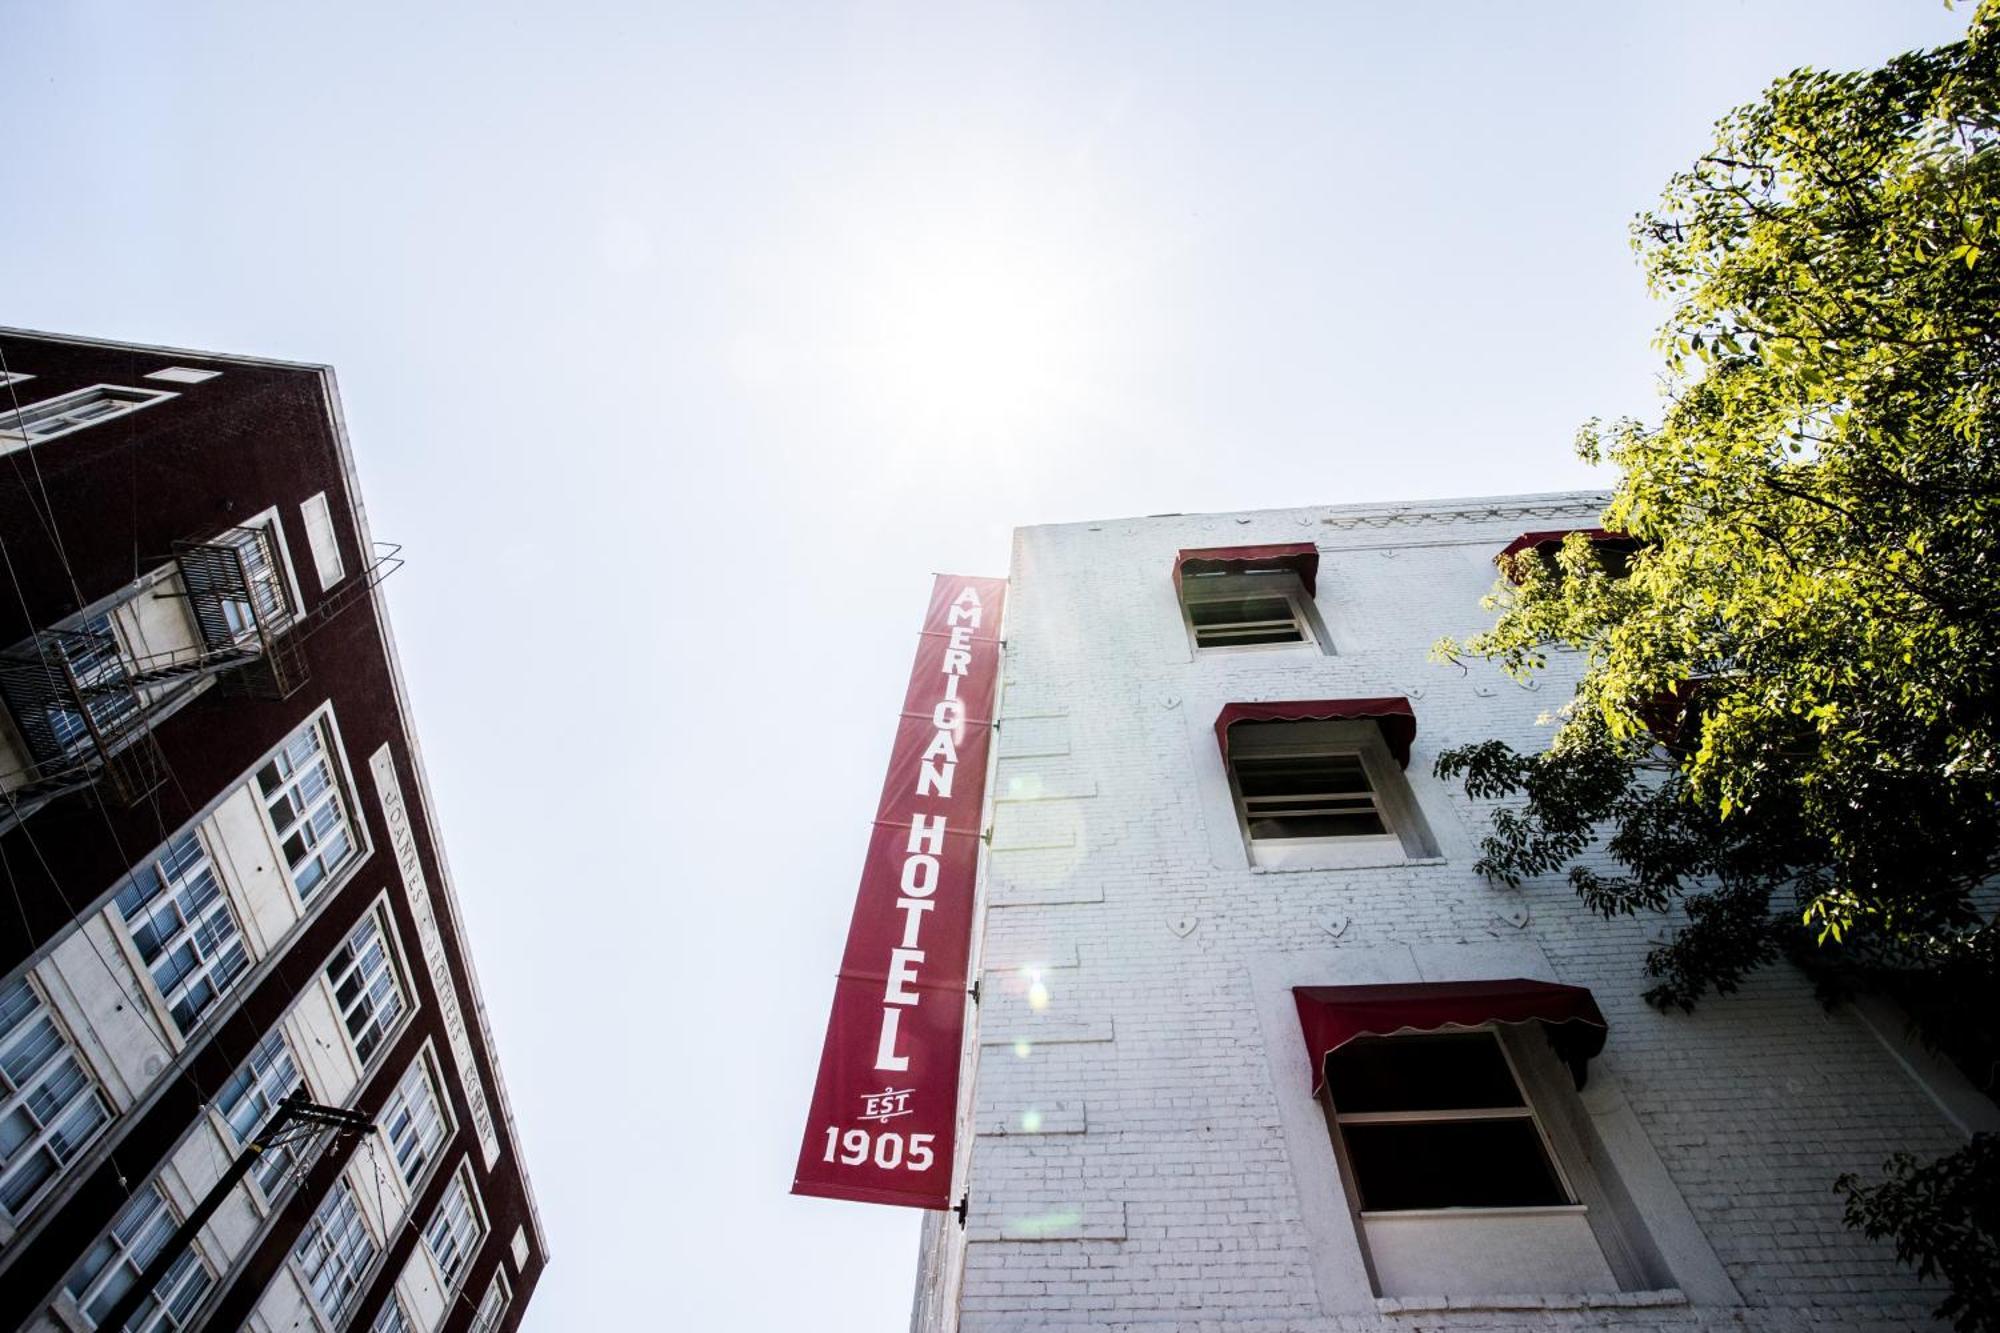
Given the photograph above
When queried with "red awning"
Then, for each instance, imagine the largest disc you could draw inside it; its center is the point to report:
(1393, 715)
(1332, 1016)
(1534, 541)
(1302, 558)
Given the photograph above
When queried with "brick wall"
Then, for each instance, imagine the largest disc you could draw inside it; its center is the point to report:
(1137, 1161)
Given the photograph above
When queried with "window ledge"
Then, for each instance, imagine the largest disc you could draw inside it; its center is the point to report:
(1388, 861)
(1593, 1300)
(68, 1316)
(1214, 650)
(1434, 1214)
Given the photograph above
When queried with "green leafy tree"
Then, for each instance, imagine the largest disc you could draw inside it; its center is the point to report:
(1787, 730)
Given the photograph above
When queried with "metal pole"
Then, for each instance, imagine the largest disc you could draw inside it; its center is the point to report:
(293, 1108)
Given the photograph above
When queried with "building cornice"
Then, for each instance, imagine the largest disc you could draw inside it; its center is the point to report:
(1555, 506)
(120, 344)
(1530, 509)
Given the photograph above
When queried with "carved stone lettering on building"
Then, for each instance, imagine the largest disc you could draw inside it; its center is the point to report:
(403, 842)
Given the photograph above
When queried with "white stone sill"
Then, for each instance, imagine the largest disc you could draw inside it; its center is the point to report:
(1595, 1300)
(1387, 863)
(1433, 1214)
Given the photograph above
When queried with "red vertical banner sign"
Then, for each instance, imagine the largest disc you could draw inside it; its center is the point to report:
(885, 1107)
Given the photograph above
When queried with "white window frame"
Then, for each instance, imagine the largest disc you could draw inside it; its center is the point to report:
(290, 767)
(1594, 1232)
(111, 711)
(316, 512)
(53, 418)
(210, 930)
(1363, 803)
(355, 965)
(1407, 837)
(1235, 585)
(428, 1132)
(132, 1241)
(182, 375)
(39, 1016)
(267, 577)
(493, 1305)
(270, 521)
(1640, 1222)
(273, 1072)
(8, 377)
(1527, 1110)
(454, 1235)
(342, 1245)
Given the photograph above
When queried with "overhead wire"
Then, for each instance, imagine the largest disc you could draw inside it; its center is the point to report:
(216, 1035)
(111, 974)
(140, 1004)
(462, 1295)
(282, 958)
(76, 914)
(48, 522)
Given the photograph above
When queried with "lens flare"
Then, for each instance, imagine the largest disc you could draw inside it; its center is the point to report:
(1057, 1219)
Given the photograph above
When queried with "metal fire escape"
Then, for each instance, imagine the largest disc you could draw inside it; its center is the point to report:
(85, 707)
(235, 590)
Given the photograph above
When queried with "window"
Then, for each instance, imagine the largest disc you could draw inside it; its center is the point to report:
(238, 584)
(392, 1318)
(35, 422)
(492, 1306)
(1318, 783)
(1467, 1162)
(302, 795)
(454, 1230)
(412, 1122)
(262, 602)
(49, 1107)
(1613, 552)
(1309, 795)
(1321, 792)
(184, 929)
(8, 377)
(183, 375)
(320, 538)
(1262, 608)
(335, 1252)
(1439, 1121)
(250, 1096)
(365, 989)
(113, 1264)
(90, 651)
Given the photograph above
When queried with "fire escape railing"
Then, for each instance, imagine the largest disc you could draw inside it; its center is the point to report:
(78, 709)
(385, 559)
(236, 597)
(84, 705)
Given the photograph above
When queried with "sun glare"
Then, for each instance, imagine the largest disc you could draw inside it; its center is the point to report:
(939, 294)
(977, 330)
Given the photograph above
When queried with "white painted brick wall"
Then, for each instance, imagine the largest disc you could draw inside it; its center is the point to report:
(1131, 1167)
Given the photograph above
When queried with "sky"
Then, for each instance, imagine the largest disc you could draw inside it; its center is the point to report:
(679, 344)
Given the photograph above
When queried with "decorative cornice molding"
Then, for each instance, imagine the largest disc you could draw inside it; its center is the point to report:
(1569, 509)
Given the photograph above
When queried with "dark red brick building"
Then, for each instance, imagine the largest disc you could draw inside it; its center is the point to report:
(220, 883)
